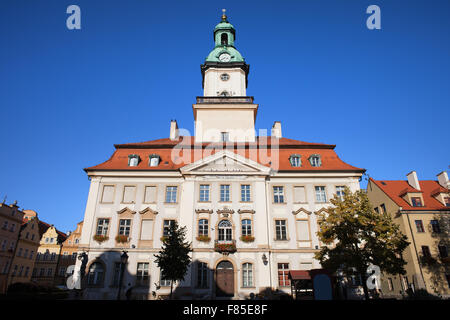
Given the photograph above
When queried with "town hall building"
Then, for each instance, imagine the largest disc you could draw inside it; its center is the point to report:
(250, 203)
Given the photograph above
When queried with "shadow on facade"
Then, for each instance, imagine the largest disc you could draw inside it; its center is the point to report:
(438, 267)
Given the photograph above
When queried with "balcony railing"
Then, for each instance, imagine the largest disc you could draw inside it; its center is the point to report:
(225, 246)
(222, 99)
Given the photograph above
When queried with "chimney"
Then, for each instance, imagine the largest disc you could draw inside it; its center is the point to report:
(173, 130)
(276, 130)
(443, 179)
(413, 180)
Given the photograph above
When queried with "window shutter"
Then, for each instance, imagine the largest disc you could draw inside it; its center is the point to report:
(150, 194)
(108, 194)
(128, 194)
(299, 194)
(302, 230)
(147, 230)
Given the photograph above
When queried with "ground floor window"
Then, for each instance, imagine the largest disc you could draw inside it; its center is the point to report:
(283, 275)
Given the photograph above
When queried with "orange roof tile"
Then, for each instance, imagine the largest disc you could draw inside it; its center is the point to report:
(176, 154)
(395, 189)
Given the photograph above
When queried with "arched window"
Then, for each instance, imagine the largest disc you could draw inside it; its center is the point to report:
(246, 227)
(225, 230)
(96, 272)
(224, 39)
(247, 275)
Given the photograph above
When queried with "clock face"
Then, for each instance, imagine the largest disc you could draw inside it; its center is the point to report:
(224, 57)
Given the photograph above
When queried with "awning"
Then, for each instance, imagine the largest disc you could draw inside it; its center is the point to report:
(299, 275)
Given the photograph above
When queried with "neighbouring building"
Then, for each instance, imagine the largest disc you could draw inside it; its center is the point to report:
(250, 202)
(422, 210)
(10, 222)
(26, 249)
(68, 254)
(48, 254)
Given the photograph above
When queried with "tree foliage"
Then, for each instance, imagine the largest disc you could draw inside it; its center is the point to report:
(173, 258)
(356, 236)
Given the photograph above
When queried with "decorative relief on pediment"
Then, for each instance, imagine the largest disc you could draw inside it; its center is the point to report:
(225, 164)
(301, 210)
(241, 211)
(148, 211)
(126, 210)
(204, 211)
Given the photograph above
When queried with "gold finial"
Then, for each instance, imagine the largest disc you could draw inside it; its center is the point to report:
(224, 16)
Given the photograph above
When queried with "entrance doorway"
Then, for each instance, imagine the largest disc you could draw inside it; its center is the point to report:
(224, 279)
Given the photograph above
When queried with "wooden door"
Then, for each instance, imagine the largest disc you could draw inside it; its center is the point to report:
(224, 279)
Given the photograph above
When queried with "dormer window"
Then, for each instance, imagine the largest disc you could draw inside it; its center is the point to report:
(315, 160)
(416, 202)
(154, 160)
(295, 160)
(133, 160)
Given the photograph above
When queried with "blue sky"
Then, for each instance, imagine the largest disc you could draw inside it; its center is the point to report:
(66, 96)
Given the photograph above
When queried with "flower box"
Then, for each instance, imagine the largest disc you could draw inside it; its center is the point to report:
(122, 238)
(228, 247)
(100, 238)
(247, 238)
(203, 238)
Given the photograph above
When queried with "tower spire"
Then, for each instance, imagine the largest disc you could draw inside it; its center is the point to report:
(224, 16)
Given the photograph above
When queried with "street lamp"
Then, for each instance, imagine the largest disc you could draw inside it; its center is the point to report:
(123, 262)
(264, 259)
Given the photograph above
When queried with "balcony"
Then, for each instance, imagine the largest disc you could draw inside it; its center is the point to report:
(222, 100)
(224, 246)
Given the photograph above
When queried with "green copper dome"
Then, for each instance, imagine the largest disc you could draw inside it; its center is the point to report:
(224, 36)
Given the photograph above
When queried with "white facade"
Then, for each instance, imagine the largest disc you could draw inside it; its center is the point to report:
(278, 208)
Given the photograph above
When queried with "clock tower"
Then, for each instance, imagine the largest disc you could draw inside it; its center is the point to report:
(224, 113)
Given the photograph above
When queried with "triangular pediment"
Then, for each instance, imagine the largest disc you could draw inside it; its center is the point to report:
(225, 162)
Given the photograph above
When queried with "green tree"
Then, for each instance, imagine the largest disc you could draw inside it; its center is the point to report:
(173, 258)
(356, 236)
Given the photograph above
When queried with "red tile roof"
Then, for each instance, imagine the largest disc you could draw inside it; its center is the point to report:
(181, 152)
(394, 189)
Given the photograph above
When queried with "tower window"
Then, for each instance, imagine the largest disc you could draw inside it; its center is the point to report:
(224, 94)
(224, 76)
(224, 39)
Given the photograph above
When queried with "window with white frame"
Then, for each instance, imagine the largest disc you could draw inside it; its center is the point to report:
(315, 160)
(96, 273)
(247, 275)
(171, 194)
(295, 160)
(102, 227)
(245, 193)
(225, 230)
(133, 160)
(280, 230)
(204, 193)
(164, 282)
(142, 275)
(224, 192)
(283, 274)
(202, 275)
(340, 192)
(246, 227)
(203, 227)
(321, 195)
(166, 227)
(124, 227)
(116, 274)
(278, 194)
